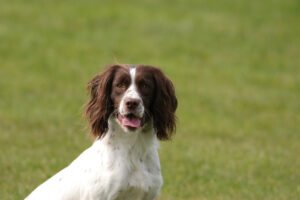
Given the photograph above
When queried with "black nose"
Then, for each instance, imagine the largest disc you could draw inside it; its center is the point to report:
(132, 103)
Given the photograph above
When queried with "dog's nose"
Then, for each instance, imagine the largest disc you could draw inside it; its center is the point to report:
(132, 103)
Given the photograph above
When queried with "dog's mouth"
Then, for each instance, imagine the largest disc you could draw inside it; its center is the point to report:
(130, 121)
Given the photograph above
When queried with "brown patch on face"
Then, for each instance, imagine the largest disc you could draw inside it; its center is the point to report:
(145, 84)
(120, 84)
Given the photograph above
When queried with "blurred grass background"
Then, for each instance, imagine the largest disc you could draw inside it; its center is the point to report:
(235, 65)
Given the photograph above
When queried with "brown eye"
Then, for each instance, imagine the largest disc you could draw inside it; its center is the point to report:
(144, 86)
(121, 85)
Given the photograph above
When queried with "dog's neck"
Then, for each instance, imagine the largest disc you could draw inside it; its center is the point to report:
(142, 139)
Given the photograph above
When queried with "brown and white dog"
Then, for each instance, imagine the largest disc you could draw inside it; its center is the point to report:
(130, 109)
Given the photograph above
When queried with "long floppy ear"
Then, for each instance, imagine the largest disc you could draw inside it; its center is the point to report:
(100, 106)
(164, 106)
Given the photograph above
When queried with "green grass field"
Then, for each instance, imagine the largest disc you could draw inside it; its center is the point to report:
(235, 65)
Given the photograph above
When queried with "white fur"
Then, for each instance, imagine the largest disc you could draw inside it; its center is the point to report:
(122, 165)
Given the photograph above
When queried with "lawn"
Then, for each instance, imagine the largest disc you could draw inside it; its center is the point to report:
(235, 65)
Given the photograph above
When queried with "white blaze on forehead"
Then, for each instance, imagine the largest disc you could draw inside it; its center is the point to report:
(132, 90)
(132, 72)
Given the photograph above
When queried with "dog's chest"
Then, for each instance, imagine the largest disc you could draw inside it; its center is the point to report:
(133, 183)
(129, 174)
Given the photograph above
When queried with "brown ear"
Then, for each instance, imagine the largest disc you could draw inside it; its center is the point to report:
(164, 106)
(100, 106)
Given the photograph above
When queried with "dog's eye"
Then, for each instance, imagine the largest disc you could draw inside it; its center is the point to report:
(144, 85)
(121, 85)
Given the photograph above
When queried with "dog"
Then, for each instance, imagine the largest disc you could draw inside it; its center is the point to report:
(131, 108)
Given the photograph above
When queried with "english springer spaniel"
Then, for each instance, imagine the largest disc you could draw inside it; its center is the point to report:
(130, 109)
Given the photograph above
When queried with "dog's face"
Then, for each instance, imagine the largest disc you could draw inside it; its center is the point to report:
(132, 93)
(134, 97)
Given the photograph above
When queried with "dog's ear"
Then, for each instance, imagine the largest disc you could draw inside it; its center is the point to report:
(100, 105)
(164, 106)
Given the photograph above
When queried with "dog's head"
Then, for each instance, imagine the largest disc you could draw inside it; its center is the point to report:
(133, 96)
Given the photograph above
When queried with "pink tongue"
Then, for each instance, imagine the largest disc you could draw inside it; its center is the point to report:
(132, 122)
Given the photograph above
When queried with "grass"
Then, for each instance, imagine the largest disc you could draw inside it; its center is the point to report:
(235, 65)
